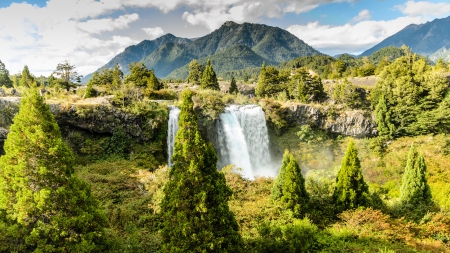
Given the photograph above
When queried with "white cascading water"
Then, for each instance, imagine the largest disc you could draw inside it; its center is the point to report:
(242, 140)
(250, 135)
(172, 130)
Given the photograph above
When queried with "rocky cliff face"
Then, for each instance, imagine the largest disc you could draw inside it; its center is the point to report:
(97, 117)
(352, 123)
(100, 117)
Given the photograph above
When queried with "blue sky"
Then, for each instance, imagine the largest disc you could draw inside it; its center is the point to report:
(88, 33)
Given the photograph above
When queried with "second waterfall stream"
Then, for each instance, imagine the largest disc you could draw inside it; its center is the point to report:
(242, 140)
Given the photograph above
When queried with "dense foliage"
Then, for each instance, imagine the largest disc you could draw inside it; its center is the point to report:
(289, 186)
(351, 191)
(44, 206)
(412, 98)
(195, 212)
(415, 189)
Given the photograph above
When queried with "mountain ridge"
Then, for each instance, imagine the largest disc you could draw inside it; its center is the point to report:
(424, 39)
(272, 43)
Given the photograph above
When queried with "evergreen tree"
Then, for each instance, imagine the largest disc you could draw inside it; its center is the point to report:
(195, 212)
(383, 119)
(27, 79)
(289, 186)
(90, 91)
(44, 207)
(139, 74)
(350, 191)
(415, 189)
(4, 76)
(152, 81)
(305, 87)
(209, 79)
(195, 72)
(270, 81)
(233, 87)
(117, 76)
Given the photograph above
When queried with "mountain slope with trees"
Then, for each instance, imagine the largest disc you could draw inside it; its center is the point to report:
(138, 52)
(268, 42)
(424, 39)
(236, 57)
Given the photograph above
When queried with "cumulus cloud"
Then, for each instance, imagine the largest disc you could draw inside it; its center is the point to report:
(107, 24)
(349, 38)
(212, 14)
(363, 15)
(41, 37)
(153, 32)
(416, 9)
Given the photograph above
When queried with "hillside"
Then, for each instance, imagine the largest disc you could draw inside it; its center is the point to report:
(272, 43)
(138, 52)
(424, 39)
(236, 57)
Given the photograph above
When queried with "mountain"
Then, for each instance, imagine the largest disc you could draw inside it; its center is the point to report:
(269, 42)
(424, 39)
(236, 57)
(137, 52)
(168, 53)
(166, 58)
(443, 53)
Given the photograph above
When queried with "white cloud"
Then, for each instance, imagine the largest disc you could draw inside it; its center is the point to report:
(363, 15)
(416, 9)
(212, 14)
(153, 32)
(350, 38)
(107, 24)
(62, 30)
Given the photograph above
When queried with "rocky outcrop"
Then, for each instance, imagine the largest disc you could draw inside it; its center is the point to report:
(352, 123)
(97, 117)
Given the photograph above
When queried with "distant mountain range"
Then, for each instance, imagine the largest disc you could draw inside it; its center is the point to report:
(238, 46)
(431, 39)
(230, 47)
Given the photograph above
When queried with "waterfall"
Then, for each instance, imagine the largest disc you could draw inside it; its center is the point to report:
(172, 130)
(232, 143)
(241, 139)
(247, 146)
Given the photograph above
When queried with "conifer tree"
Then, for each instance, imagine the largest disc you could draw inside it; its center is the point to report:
(27, 79)
(415, 189)
(383, 119)
(350, 191)
(152, 81)
(4, 76)
(195, 72)
(209, 79)
(289, 187)
(117, 76)
(233, 87)
(195, 212)
(260, 86)
(44, 207)
(90, 91)
(139, 74)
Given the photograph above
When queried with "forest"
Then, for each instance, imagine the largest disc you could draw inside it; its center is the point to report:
(68, 189)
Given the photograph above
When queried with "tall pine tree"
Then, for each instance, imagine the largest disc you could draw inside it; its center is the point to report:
(383, 119)
(196, 216)
(351, 191)
(4, 76)
(233, 87)
(209, 79)
(415, 189)
(44, 207)
(27, 80)
(289, 187)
